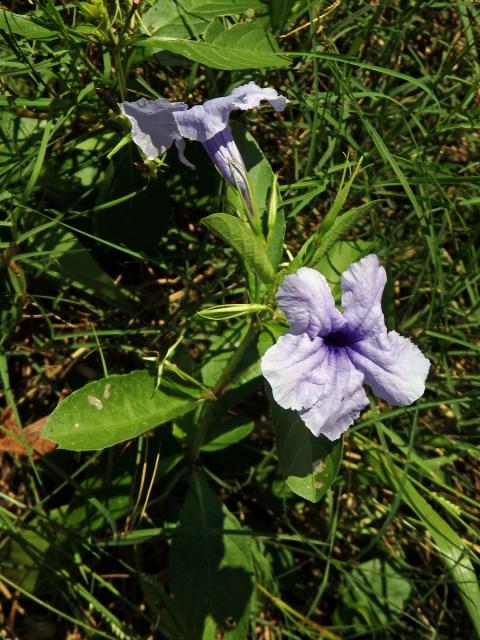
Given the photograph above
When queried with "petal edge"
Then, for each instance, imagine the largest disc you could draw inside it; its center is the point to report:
(393, 366)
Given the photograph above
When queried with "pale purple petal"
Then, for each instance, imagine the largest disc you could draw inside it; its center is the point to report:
(294, 369)
(250, 95)
(154, 128)
(342, 398)
(307, 301)
(204, 121)
(227, 158)
(180, 144)
(362, 287)
(393, 366)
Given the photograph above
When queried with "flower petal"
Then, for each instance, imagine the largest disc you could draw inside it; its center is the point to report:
(294, 369)
(393, 366)
(307, 301)
(227, 158)
(342, 398)
(362, 287)
(204, 121)
(154, 128)
(180, 144)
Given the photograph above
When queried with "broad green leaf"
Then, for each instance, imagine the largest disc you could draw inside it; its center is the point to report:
(321, 243)
(453, 551)
(224, 433)
(280, 12)
(26, 26)
(309, 464)
(243, 46)
(171, 19)
(263, 185)
(338, 258)
(25, 551)
(210, 567)
(260, 174)
(240, 237)
(114, 409)
(221, 351)
(371, 595)
(68, 260)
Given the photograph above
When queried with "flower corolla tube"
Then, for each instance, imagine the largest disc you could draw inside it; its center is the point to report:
(319, 366)
(157, 124)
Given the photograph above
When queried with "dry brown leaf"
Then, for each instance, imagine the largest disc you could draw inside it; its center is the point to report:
(32, 435)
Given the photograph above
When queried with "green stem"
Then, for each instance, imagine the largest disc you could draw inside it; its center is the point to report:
(222, 383)
(7, 390)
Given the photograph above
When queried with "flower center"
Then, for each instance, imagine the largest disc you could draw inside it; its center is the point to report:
(338, 339)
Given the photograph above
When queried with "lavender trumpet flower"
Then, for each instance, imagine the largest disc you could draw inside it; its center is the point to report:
(157, 124)
(319, 366)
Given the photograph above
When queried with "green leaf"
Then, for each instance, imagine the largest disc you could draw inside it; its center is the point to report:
(337, 259)
(260, 174)
(276, 226)
(223, 434)
(69, 260)
(321, 243)
(114, 409)
(229, 311)
(171, 19)
(210, 567)
(263, 185)
(25, 26)
(371, 595)
(26, 552)
(240, 237)
(453, 550)
(243, 46)
(309, 464)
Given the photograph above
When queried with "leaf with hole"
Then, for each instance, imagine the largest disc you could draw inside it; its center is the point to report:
(114, 409)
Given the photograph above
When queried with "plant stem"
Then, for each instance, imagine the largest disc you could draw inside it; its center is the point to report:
(224, 381)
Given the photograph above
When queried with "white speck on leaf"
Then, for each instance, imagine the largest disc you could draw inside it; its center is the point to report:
(106, 392)
(76, 425)
(318, 466)
(98, 404)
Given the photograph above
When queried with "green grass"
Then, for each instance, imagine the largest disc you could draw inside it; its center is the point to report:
(84, 539)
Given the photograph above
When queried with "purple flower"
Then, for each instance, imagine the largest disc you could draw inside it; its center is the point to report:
(319, 366)
(157, 124)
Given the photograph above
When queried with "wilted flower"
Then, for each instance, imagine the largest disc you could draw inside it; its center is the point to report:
(157, 124)
(320, 365)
